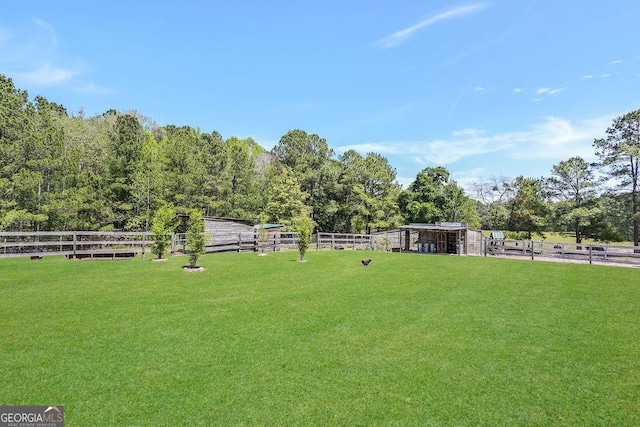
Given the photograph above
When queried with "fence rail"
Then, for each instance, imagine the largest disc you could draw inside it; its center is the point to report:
(241, 242)
(97, 244)
(344, 241)
(577, 251)
(75, 244)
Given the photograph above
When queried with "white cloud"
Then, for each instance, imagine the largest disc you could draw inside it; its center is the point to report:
(616, 62)
(588, 76)
(518, 90)
(48, 75)
(556, 91)
(559, 138)
(37, 57)
(467, 132)
(401, 36)
(478, 89)
(547, 91)
(553, 138)
(52, 38)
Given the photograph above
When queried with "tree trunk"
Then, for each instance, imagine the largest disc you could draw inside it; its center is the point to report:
(634, 198)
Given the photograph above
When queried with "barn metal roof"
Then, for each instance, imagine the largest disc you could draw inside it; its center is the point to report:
(446, 226)
(267, 226)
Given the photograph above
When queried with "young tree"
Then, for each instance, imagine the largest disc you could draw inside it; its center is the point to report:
(619, 154)
(262, 232)
(304, 227)
(196, 239)
(162, 227)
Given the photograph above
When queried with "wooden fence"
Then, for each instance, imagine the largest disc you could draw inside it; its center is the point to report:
(119, 245)
(241, 242)
(343, 241)
(75, 244)
(583, 252)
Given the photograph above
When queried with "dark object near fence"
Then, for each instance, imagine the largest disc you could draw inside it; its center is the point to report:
(366, 262)
(103, 255)
(338, 247)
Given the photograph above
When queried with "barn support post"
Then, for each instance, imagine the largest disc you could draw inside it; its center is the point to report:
(75, 244)
(590, 254)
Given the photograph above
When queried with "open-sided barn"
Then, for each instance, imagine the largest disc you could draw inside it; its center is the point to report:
(441, 237)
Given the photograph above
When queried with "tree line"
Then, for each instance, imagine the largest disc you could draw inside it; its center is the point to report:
(114, 171)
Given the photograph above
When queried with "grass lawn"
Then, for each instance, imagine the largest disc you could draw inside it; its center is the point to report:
(411, 339)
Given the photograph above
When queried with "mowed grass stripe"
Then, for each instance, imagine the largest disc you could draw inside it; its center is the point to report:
(408, 340)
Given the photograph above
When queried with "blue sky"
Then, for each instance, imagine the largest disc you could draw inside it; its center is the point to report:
(485, 88)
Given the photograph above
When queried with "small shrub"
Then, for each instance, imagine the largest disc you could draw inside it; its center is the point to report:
(196, 239)
(161, 227)
(304, 226)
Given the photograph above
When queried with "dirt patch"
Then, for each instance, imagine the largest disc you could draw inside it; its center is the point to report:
(188, 269)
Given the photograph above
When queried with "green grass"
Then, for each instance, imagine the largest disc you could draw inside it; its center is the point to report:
(409, 340)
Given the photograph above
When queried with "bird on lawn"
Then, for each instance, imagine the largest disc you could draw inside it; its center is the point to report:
(366, 261)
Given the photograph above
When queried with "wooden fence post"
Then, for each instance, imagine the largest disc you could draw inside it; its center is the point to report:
(532, 250)
(144, 236)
